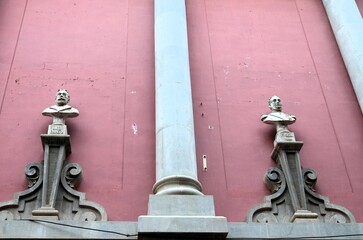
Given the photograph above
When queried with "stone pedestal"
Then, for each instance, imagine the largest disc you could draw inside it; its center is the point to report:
(175, 216)
(286, 154)
(56, 148)
(51, 194)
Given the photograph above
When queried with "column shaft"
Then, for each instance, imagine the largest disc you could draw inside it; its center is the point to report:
(347, 24)
(176, 170)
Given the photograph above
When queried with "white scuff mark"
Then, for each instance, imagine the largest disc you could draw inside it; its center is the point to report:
(134, 128)
(241, 66)
(133, 92)
(226, 72)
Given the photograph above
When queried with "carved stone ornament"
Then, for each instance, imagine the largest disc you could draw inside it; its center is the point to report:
(51, 190)
(293, 198)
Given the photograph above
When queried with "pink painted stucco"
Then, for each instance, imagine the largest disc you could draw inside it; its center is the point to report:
(241, 53)
(360, 5)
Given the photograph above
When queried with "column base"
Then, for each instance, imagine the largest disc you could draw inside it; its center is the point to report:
(177, 185)
(175, 216)
(180, 205)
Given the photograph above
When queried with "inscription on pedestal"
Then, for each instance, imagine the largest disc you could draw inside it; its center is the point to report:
(285, 136)
(57, 129)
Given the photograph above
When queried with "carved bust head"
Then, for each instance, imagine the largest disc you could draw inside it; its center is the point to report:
(275, 104)
(62, 97)
(276, 116)
(61, 110)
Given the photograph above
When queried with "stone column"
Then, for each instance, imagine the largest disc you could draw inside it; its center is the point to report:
(347, 24)
(176, 170)
(178, 206)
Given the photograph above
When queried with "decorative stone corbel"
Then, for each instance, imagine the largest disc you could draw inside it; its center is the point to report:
(293, 196)
(51, 190)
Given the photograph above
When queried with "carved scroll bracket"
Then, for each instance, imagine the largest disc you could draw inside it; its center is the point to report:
(51, 193)
(293, 198)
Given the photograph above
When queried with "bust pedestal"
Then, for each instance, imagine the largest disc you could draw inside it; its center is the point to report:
(57, 147)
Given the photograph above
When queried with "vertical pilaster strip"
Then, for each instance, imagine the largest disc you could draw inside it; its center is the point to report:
(176, 170)
(347, 24)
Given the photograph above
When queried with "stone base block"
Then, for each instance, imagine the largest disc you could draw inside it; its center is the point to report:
(304, 216)
(286, 146)
(57, 140)
(188, 227)
(187, 216)
(46, 213)
(181, 205)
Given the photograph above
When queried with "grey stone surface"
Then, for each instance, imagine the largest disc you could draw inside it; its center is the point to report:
(191, 216)
(51, 190)
(181, 205)
(236, 230)
(177, 184)
(294, 231)
(39, 229)
(176, 167)
(191, 226)
(347, 24)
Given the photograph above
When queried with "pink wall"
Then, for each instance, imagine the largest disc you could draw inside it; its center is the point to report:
(241, 53)
(360, 5)
(103, 54)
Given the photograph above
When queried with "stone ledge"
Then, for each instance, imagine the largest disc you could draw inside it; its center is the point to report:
(24, 229)
(67, 229)
(244, 231)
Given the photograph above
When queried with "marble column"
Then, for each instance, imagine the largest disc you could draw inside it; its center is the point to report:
(347, 24)
(176, 170)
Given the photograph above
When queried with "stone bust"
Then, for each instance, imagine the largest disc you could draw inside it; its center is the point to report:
(280, 119)
(61, 110)
(277, 117)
